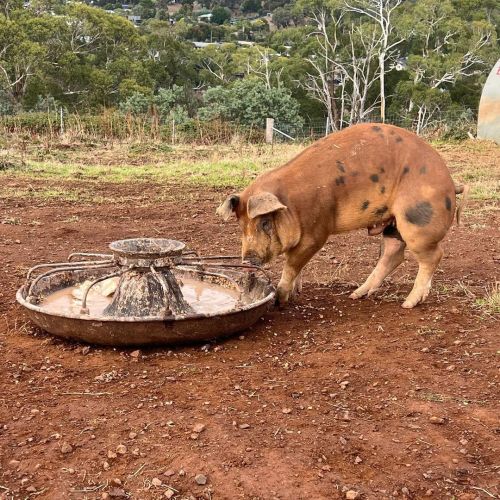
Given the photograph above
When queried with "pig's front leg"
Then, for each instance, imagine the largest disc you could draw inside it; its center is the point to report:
(291, 278)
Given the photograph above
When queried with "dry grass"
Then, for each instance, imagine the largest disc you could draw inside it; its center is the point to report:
(222, 166)
(490, 303)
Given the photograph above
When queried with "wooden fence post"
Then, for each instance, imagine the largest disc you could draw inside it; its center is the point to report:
(269, 130)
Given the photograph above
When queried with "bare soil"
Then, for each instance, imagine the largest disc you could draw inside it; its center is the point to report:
(327, 396)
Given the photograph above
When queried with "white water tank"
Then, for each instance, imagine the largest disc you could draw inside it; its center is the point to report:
(488, 124)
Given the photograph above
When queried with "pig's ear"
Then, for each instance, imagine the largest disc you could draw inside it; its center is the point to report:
(228, 207)
(263, 203)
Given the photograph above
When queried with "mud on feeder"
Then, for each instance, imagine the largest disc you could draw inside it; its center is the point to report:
(147, 291)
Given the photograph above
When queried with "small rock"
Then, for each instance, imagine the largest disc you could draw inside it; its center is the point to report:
(344, 384)
(132, 435)
(429, 493)
(14, 463)
(436, 420)
(66, 448)
(169, 473)
(454, 310)
(358, 460)
(405, 491)
(194, 436)
(200, 479)
(199, 428)
(105, 465)
(135, 354)
(105, 495)
(351, 494)
(156, 481)
(450, 368)
(116, 481)
(244, 426)
(31, 489)
(85, 350)
(463, 442)
(121, 449)
(286, 411)
(111, 454)
(117, 493)
(169, 493)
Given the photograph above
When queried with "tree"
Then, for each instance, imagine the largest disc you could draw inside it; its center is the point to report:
(20, 59)
(220, 15)
(251, 6)
(249, 102)
(282, 16)
(380, 11)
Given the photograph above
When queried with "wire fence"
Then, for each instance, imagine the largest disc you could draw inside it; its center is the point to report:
(112, 125)
(454, 124)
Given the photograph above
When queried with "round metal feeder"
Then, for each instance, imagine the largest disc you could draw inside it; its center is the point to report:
(153, 291)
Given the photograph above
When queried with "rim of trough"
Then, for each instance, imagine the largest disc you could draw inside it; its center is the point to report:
(149, 319)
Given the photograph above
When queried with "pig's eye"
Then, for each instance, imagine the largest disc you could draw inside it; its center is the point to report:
(266, 225)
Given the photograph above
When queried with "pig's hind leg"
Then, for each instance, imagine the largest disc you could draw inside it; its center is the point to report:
(423, 225)
(392, 250)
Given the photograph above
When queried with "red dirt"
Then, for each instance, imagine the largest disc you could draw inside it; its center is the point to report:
(310, 436)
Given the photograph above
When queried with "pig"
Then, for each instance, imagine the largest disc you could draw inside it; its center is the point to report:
(374, 176)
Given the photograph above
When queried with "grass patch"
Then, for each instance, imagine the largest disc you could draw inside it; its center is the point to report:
(490, 303)
(215, 174)
(222, 166)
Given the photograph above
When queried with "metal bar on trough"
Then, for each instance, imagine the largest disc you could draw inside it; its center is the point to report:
(242, 266)
(86, 263)
(215, 257)
(103, 265)
(84, 309)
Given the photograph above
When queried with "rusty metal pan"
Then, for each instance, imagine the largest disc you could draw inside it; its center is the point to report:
(130, 331)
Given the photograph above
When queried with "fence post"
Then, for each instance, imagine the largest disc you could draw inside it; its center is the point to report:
(62, 121)
(327, 128)
(269, 130)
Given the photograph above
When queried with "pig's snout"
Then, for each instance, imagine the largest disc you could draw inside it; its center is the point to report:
(252, 258)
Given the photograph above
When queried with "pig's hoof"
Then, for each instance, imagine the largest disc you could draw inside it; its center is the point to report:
(282, 298)
(358, 293)
(411, 303)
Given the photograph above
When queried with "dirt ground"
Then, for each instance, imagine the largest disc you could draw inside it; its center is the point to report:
(327, 396)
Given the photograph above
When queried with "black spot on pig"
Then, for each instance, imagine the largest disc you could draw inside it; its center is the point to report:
(341, 166)
(420, 214)
(381, 210)
(406, 169)
(448, 203)
(365, 204)
(374, 178)
(340, 181)
(423, 169)
(399, 139)
(376, 128)
(381, 170)
(382, 190)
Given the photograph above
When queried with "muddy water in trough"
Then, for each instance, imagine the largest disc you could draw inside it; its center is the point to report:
(204, 298)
